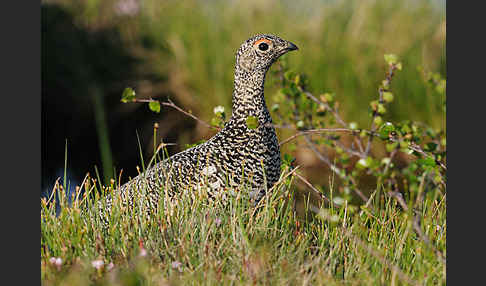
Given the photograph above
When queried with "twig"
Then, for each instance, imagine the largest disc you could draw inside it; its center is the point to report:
(388, 78)
(412, 146)
(320, 130)
(169, 103)
(416, 148)
(305, 181)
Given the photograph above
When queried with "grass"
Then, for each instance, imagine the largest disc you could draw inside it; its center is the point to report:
(193, 240)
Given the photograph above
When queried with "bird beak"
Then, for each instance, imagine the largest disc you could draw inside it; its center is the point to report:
(291, 46)
(287, 48)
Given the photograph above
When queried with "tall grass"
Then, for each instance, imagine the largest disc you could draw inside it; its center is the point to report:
(194, 240)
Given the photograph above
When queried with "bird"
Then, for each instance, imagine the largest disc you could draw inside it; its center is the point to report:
(238, 153)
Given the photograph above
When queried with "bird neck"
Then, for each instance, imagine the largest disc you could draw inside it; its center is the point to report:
(248, 98)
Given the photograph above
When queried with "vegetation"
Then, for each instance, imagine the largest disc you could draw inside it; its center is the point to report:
(374, 211)
(396, 237)
(196, 241)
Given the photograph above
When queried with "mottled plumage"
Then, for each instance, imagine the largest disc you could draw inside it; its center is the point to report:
(235, 153)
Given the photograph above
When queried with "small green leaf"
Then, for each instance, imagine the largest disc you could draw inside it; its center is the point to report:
(321, 110)
(288, 159)
(385, 83)
(353, 125)
(128, 95)
(364, 163)
(406, 129)
(391, 59)
(216, 121)
(381, 109)
(289, 75)
(252, 122)
(386, 129)
(297, 80)
(431, 146)
(374, 105)
(429, 161)
(378, 120)
(154, 106)
(327, 97)
(441, 86)
(387, 96)
(300, 124)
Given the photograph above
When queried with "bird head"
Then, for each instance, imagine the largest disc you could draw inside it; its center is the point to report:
(259, 52)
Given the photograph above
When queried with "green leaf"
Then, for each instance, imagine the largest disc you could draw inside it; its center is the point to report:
(431, 146)
(406, 129)
(441, 86)
(327, 97)
(216, 121)
(381, 109)
(300, 124)
(128, 95)
(289, 75)
(154, 106)
(428, 161)
(286, 91)
(386, 129)
(288, 159)
(378, 120)
(385, 83)
(374, 105)
(364, 163)
(387, 96)
(391, 59)
(252, 122)
(297, 80)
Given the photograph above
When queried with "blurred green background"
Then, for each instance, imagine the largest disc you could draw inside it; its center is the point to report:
(185, 51)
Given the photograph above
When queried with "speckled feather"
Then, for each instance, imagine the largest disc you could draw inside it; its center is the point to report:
(236, 154)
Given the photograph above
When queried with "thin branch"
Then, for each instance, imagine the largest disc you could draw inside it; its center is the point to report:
(388, 79)
(320, 130)
(305, 181)
(412, 146)
(169, 103)
(417, 149)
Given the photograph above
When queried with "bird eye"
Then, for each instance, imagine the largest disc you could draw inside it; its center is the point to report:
(263, 46)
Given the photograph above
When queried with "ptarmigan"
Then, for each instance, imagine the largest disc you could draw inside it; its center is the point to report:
(237, 154)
